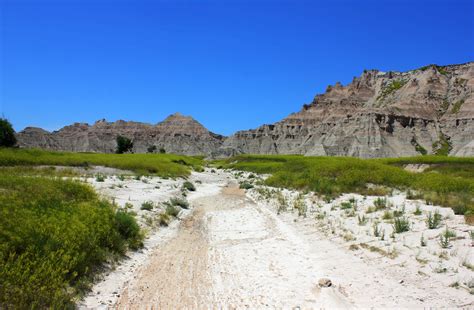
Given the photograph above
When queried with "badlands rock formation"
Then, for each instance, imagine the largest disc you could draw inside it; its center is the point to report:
(380, 114)
(429, 110)
(176, 134)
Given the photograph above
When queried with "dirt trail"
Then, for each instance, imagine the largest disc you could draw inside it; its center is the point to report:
(231, 253)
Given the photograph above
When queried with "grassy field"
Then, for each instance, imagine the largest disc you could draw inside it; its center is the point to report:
(164, 165)
(448, 181)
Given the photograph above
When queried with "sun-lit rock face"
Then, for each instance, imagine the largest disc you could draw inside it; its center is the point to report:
(176, 134)
(379, 114)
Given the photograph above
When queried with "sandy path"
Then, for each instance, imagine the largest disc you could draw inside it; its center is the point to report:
(231, 253)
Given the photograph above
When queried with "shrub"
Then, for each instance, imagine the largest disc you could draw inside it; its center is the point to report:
(99, 178)
(401, 224)
(124, 145)
(163, 219)
(151, 149)
(361, 220)
(162, 150)
(387, 215)
(172, 210)
(376, 230)
(245, 185)
(7, 134)
(380, 203)
(183, 203)
(129, 229)
(147, 205)
(445, 237)
(55, 234)
(417, 211)
(189, 186)
(433, 220)
(422, 241)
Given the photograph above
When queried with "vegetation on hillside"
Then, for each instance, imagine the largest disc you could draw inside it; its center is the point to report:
(444, 183)
(54, 234)
(164, 165)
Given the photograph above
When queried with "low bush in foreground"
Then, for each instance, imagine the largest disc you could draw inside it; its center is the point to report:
(54, 234)
(164, 165)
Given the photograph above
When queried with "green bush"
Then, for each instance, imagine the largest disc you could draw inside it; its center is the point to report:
(54, 234)
(433, 220)
(147, 205)
(401, 224)
(124, 145)
(183, 203)
(172, 210)
(189, 186)
(245, 185)
(7, 134)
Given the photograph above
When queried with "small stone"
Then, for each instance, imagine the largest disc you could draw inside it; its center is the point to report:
(324, 282)
(401, 281)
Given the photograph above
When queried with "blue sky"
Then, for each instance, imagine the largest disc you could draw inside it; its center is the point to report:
(231, 64)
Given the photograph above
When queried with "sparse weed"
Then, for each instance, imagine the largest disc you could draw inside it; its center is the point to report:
(147, 205)
(183, 203)
(380, 203)
(387, 215)
(99, 178)
(433, 220)
(362, 220)
(189, 186)
(401, 225)
(417, 211)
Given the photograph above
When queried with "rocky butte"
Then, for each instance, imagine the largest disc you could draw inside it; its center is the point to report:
(429, 110)
(176, 134)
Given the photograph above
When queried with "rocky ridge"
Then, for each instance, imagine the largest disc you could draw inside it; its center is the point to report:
(429, 110)
(379, 114)
(176, 134)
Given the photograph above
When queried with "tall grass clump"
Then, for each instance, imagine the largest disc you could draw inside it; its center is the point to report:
(54, 236)
(401, 224)
(433, 219)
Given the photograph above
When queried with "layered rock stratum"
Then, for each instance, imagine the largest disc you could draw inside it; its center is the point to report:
(177, 134)
(379, 114)
(429, 110)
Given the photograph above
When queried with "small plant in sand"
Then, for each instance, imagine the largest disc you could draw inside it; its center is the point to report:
(321, 215)
(445, 238)
(376, 230)
(422, 241)
(99, 178)
(362, 220)
(175, 201)
(401, 225)
(163, 219)
(433, 220)
(282, 204)
(300, 205)
(121, 177)
(147, 205)
(189, 186)
(387, 215)
(172, 210)
(471, 233)
(245, 185)
(417, 211)
(380, 203)
(399, 212)
(346, 205)
(371, 210)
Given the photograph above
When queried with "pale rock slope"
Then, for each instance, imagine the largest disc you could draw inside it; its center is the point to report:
(379, 114)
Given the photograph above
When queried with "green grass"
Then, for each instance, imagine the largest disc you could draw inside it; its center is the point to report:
(332, 176)
(164, 165)
(54, 236)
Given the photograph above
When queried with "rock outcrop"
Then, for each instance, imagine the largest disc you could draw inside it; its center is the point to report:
(176, 134)
(379, 114)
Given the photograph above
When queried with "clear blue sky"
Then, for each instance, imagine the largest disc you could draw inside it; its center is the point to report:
(231, 64)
